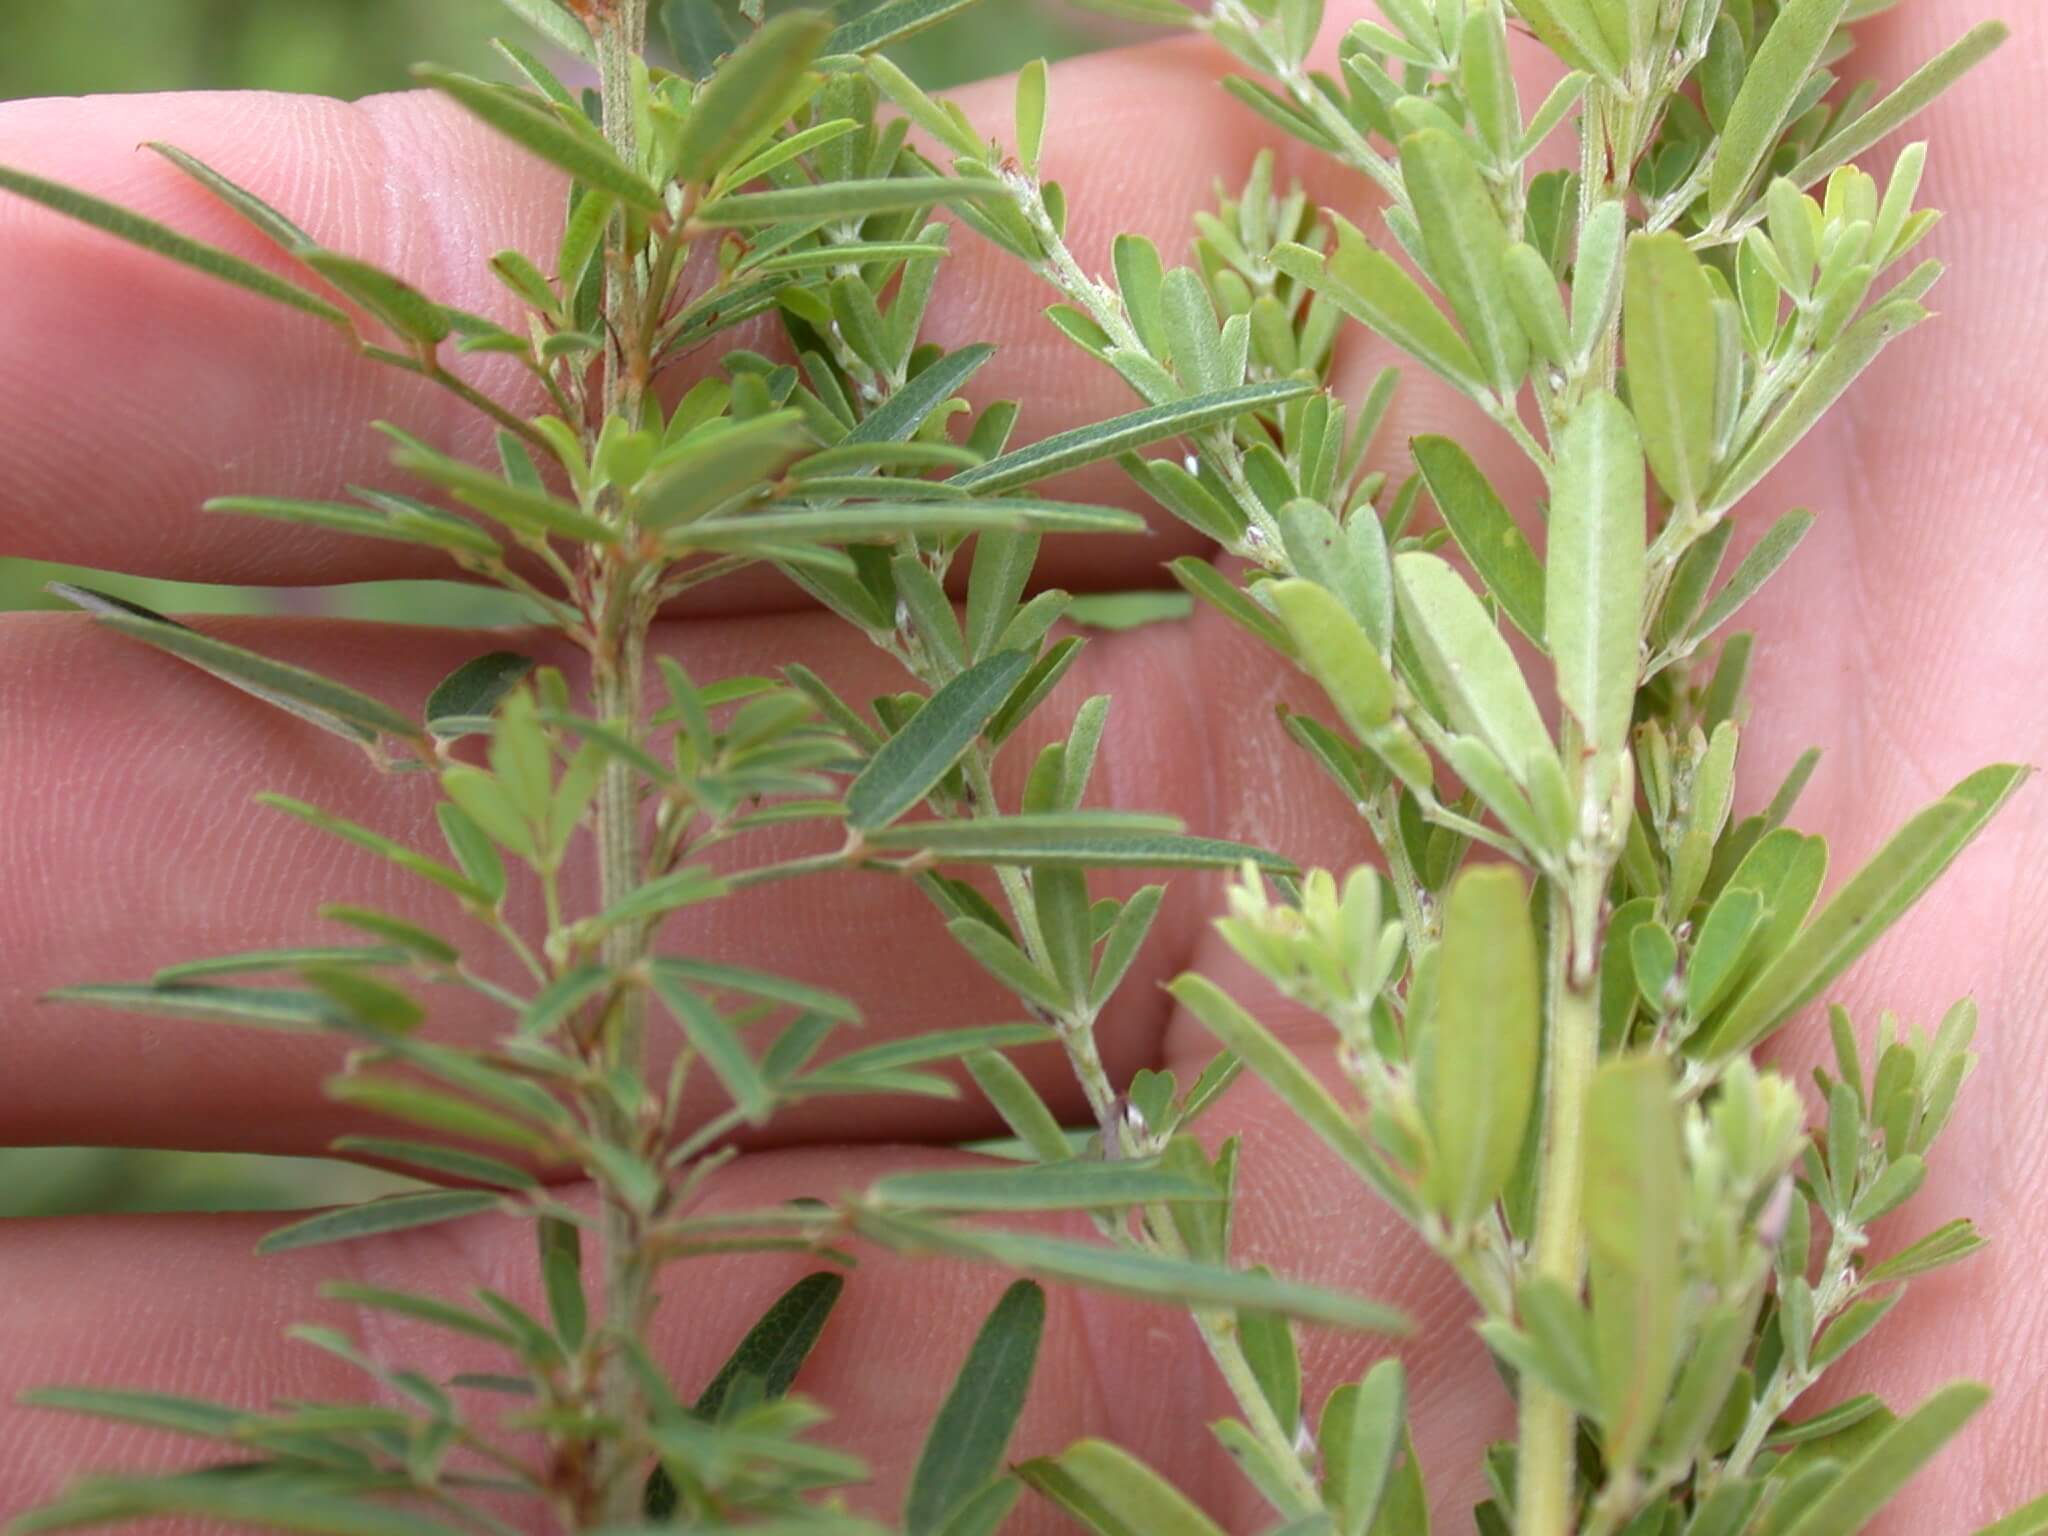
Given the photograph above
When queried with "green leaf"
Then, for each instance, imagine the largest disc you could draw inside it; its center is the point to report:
(984, 1513)
(747, 96)
(1282, 1071)
(391, 519)
(524, 509)
(763, 984)
(1757, 567)
(428, 1309)
(1134, 1273)
(319, 700)
(1778, 72)
(840, 200)
(266, 960)
(1371, 287)
(1106, 439)
(885, 23)
(1890, 1461)
(1464, 656)
(567, 142)
(775, 1348)
(437, 1110)
(1112, 1493)
(399, 305)
(393, 1213)
(1825, 383)
(263, 1006)
(153, 1410)
(1337, 654)
(151, 236)
(1467, 247)
(1874, 898)
(2030, 1520)
(1593, 601)
(555, 24)
(912, 761)
(1030, 115)
(1634, 1202)
(1500, 553)
(972, 1430)
(908, 408)
(1068, 1186)
(718, 1042)
(1070, 839)
(1912, 96)
(1010, 1093)
(1668, 329)
(940, 1045)
(1945, 1245)
(1203, 581)
(1485, 1039)
(473, 691)
(1360, 1435)
(244, 202)
(453, 1161)
(261, 1500)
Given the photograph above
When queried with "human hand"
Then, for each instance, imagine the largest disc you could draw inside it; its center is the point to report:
(1901, 638)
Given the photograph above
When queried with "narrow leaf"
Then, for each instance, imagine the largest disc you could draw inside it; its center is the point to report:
(774, 1349)
(1668, 329)
(1778, 72)
(570, 145)
(1070, 1186)
(1071, 839)
(972, 1431)
(1480, 522)
(1593, 601)
(912, 761)
(393, 1213)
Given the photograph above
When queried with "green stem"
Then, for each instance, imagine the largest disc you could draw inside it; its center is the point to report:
(1548, 1466)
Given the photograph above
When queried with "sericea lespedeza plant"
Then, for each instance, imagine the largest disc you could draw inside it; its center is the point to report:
(1548, 992)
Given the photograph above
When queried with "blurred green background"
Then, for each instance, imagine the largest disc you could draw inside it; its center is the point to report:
(343, 48)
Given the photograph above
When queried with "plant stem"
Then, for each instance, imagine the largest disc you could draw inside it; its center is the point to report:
(1543, 1500)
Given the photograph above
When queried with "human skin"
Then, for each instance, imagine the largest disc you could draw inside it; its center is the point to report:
(1906, 638)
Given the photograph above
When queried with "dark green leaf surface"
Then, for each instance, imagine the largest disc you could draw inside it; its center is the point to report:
(393, 1213)
(965, 1447)
(1071, 839)
(912, 761)
(775, 1347)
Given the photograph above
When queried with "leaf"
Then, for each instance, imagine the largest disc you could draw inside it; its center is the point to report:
(280, 229)
(1068, 1186)
(887, 22)
(2030, 1520)
(1669, 331)
(1112, 1493)
(1069, 839)
(555, 24)
(1593, 601)
(1778, 72)
(114, 220)
(1030, 115)
(436, 1110)
(1634, 1202)
(763, 984)
(1829, 378)
(392, 518)
(1890, 1461)
(775, 1348)
(1757, 567)
(473, 691)
(393, 1213)
(453, 1161)
(246, 1500)
(1133, 1272)
(429, 1309)
(972, 1430)
(1337, 654)
(1877, 896)
(570, 145)
(1106, 439)
(912, 761)
(718, 1042)
(839, 200)
(1360, 1435)
(318, 700)
(1282, 1071)
(1371, 287)
(1464, 656)
(1499, 551)
(266, 960)
(747, 96)
(1912, 96)
(263, 1006)
(907, 409)
(1011, 1095)
(408, 312)
(940, 1045)
(154, 1410)
(525, 509)
(1484, 1043)
(1467, 248)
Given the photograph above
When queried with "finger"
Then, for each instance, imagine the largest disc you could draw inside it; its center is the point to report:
(209, 391)
(131, 795)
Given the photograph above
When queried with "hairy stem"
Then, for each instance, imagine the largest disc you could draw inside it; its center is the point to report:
(1543, 1500)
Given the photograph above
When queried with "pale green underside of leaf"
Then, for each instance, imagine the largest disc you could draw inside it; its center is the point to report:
(1073, 839)
(394, 1213)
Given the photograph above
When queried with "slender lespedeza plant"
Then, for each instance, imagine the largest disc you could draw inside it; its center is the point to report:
(1555, 1086)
